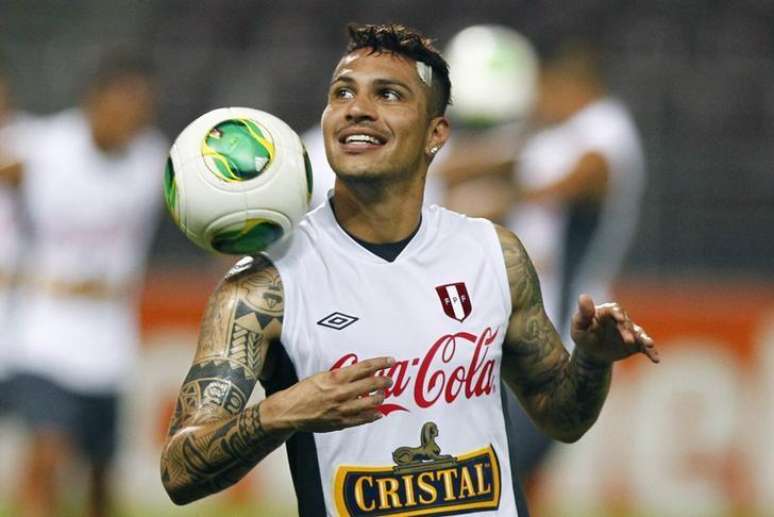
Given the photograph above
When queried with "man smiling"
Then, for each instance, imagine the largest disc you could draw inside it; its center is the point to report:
(382, 330)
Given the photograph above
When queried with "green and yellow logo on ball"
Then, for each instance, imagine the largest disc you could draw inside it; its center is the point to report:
(237, 150)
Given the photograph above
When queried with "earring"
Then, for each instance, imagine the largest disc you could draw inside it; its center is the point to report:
(434, 149)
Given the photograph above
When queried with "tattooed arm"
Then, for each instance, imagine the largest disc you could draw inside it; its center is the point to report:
(213, 439)
(563, 394)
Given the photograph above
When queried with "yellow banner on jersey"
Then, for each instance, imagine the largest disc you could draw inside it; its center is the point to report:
(451, 486)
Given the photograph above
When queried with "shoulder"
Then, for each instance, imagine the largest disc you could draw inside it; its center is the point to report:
(253, 284)
(294, 251)
(513, 249)
(454, 222)
(522, 277)
(607, 120)
(248, 269)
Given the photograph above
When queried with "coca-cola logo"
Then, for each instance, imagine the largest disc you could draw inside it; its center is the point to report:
(429, 378)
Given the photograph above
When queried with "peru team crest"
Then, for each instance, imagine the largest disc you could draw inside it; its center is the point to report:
(455, 300)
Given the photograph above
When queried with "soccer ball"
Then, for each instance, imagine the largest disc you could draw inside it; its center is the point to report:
(237, 180)
(494, 72)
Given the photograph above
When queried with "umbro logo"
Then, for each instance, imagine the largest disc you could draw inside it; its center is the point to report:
(337, 321)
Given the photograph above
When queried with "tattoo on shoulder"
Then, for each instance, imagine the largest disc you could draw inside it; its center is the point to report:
(565, 399)
(233, 343)
(522, 277)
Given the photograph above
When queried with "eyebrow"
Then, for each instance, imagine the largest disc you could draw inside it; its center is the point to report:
(378, 82)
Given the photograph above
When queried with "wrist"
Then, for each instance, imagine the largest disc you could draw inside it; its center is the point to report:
(270, 414)
(588, 362)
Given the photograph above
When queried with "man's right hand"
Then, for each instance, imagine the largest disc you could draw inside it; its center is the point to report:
(329, 401)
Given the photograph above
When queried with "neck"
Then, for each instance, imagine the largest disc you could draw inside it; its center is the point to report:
(586, 95)
(379, 213)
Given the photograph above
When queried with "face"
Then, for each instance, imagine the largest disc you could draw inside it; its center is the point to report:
(560, 95)
(376, 124)
(120, 110)
(550, 101)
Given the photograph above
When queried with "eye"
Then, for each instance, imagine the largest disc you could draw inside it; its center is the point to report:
(343, 93)
(390, 95)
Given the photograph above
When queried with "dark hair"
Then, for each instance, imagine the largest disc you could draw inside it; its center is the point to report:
(409, 43)
(579, 55)
(121, 63)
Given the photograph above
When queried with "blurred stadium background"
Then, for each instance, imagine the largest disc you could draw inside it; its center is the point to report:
(690, 437)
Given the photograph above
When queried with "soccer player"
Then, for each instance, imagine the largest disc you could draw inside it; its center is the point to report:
(90, 184)
(382, 330)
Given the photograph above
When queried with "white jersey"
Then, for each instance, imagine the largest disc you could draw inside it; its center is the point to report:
(12, 133)
(92, 216)
(580, 247)
(441, 309)
(324, 177)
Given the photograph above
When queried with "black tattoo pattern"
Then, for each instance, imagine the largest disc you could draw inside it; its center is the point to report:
(563, 394)
(213, 439)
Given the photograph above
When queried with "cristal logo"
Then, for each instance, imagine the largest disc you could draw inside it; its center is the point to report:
(431, 382)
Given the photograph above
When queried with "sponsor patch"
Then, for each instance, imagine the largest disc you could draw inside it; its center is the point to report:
(421, 482)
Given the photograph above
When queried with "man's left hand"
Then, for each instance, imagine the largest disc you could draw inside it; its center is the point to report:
(605, 333)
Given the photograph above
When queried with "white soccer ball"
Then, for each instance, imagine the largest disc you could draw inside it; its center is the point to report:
(237, 180)
(493, 71)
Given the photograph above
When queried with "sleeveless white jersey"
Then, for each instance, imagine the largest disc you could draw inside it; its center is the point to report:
(440, 309)
(91, 218)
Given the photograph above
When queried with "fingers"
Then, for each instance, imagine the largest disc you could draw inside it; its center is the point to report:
(583, 319)
(633, 336)
(610, 321)
(363, 387)
(363, 369)
(362, 418)
(608, 313)
(359, 405)
(647, 346)
(362, 410)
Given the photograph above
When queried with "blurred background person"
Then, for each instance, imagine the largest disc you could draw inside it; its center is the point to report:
(570, 188)
(579, 182)
(576, 179)
(579, 179)
(90, 186)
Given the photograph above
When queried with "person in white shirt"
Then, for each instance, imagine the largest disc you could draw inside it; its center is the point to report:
(578, 181)
(382, 329)
(90, 182)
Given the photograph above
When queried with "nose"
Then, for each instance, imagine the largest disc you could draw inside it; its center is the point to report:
(361, 107)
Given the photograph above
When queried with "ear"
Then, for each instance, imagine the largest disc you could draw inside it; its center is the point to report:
(437, 135)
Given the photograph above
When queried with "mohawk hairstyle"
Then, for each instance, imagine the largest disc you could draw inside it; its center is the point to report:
(406, 42)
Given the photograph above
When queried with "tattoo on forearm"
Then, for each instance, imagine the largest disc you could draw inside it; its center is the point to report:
(564, 394)
(213, 440)
(215, 457)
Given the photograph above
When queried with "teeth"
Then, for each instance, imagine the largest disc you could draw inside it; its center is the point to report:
(361, 138)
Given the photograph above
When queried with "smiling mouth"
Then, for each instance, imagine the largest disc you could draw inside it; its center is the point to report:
(354, 141)
(362, 139)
